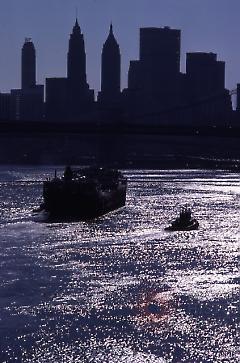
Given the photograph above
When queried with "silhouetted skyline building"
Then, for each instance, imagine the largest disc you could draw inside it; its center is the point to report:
(80, 97)
(110, 72)
(76, 59)
(160, 53)
(154, 80)
(27, 103)
(205, 73)
(206, 87)
(28, 64)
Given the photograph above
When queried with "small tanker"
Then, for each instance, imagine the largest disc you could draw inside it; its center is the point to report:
(84, 193)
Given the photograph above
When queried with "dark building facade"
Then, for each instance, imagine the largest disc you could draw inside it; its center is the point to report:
(27, 104)
(32, 103)
(110, 73)
(5, 106)
(56, 99)
(80, 97)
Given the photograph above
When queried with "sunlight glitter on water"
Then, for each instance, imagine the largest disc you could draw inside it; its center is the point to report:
(121, 289)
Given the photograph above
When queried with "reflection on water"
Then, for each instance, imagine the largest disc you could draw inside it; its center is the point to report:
(121, 289)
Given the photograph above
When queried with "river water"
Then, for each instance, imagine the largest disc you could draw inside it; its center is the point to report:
(121, 289)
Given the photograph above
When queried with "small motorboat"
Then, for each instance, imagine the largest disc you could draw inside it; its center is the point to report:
(184, 222)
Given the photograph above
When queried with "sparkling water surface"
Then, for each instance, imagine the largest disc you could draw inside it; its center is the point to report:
(120, 288)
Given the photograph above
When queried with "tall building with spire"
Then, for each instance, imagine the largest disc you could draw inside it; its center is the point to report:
(80, 97)
(111, 71)
(76, 62)
(28, 64)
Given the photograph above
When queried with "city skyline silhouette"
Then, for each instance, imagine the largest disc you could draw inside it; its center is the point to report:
(157, 91)
(206, 27)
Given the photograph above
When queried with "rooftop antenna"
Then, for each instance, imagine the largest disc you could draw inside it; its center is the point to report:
(76, 12)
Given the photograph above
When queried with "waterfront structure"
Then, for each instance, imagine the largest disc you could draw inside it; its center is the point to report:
(80, 97)
(109, 97)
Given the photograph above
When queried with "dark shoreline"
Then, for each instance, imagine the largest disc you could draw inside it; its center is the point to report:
(166, 148)
(116, 127)
(215, 165)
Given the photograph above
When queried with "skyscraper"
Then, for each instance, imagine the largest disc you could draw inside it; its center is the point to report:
(28, 64)
(76, 65)
(111, 70)
(160, 48)
(80, 98)
(206, 88)
(27, 102)
(154, 80)
(160, 60)
(205, 73)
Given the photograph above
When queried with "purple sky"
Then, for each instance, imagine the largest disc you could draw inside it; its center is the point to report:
(207, 25)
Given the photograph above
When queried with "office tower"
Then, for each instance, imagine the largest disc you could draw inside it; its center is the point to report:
(159, 57)
(28, 64)
(80, 98)
(206, 87)
(111, 71)
(205, 73)
(154, 80)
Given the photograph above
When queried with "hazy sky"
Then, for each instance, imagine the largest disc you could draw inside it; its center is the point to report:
(207, 25)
